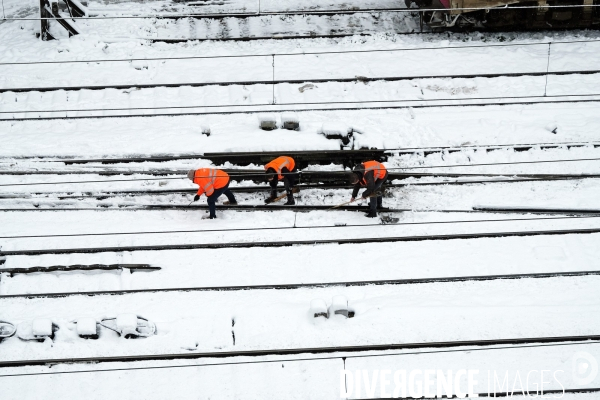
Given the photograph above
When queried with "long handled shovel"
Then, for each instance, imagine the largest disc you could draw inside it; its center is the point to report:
(276, 199)
(376, 194)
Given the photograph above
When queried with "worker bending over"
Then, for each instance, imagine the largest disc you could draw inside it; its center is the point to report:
(370, 174)
(213, 183)
(282, 168)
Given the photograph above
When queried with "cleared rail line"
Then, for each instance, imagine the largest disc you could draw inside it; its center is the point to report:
(65, 195)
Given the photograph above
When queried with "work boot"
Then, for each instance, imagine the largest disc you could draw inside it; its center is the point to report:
(290, 200)
(272, 197)
(371, 214)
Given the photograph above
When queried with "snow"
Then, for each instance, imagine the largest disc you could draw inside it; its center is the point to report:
(318, 308)
(191, 321)
(335, 128)
(289, 118)
(41, 327)
(278, 318)
(127, 323)
(86, 326)
(386, 129)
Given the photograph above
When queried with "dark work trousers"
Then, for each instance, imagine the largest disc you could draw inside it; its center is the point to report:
(289, 180)
(212, 199)
(376, 202)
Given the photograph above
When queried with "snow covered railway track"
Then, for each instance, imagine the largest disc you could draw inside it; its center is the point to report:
(266, 321)
(356, 105)
(253, 244)
(356, 79)
(275, 377)
(480, 345)
(474, 278)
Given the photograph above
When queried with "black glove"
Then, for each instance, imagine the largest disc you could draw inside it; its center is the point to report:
(197, 197)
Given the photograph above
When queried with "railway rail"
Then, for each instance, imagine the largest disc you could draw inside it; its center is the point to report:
(197, 57)
(299, 208)
(313, 156)
(78, 267)
(311, 176)
(190, 246)
(479, 345)
(585, 214)
(474, 278)
(254, 189)
(339, 106)
(267, 82)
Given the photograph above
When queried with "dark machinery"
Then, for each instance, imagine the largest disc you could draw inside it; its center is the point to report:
(502, 14)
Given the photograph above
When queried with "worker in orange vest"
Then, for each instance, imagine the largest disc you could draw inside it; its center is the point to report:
(370, 174)
(282, 169)
(213, 183)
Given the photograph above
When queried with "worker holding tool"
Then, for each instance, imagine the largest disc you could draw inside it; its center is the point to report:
(370, 174)
(282, 169)
(213, 183)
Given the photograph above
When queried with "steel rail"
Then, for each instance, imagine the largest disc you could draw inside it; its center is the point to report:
(251, 157)
(350, 356)
(311, 175)
(192, 246)
(261, 82)
(385, 105)
(487, 45)
(303, 154)
(529, 209)
(294, 208)
(78, 267)
(410, 281)
(255, 189)
(312, 350)
(585, 214)
(336, 176)
(302, 158)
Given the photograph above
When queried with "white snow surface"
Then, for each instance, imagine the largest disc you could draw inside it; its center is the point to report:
(190, 321)
(277, 319)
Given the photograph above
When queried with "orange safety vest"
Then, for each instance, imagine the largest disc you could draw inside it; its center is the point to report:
(378, 169)
(210, 179)
(279, 163)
